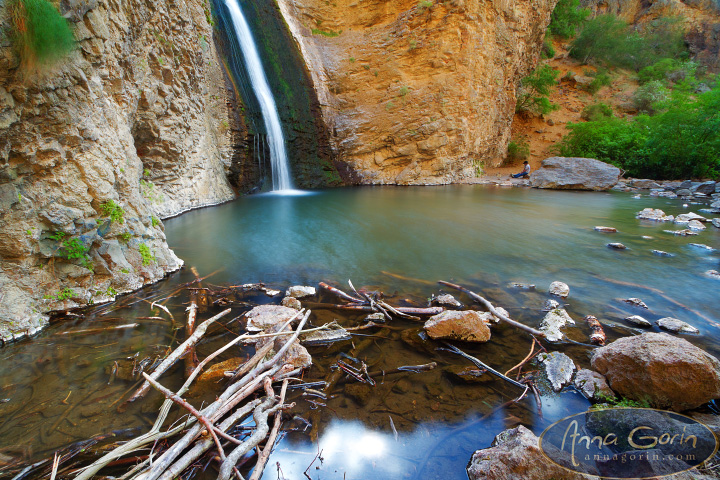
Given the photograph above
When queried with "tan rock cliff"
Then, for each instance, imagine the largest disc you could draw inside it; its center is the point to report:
(417, 92)
(137, 115)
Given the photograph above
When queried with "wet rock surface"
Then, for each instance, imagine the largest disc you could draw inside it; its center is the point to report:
(559, 289)
(666, 371)
(467, 326)
(593, 385)
(654, 214)
(264, 317)
(639, 321)
(569, 173)
(553, 322)
(558, 368)
(676, 326)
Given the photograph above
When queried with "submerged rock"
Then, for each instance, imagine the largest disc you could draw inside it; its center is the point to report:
(550, 304)
(523, 286)
(617, 246)
(446, 300)
(468, 374)
(571, 173)
(467, 326)
(703, 246)
(606, 229)
(300, 291)
(559, 289)
(375, 317)
(593, 385)
(552, 323)
(515, 454)
(296, 355)
(654, 214)
(638, 320)
(714, 274)
(264, 317)
(716, 222)
(333, 333)
(676, 326)
(681, 233)
(661, 253)
(636, 302)
(559, 369)
(666, 371)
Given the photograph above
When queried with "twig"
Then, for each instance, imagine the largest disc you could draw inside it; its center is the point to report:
(175, 356)
(528, 357)
(480, 364)
(269, 445)
(492, 309)
(55, 465)
(340, 293)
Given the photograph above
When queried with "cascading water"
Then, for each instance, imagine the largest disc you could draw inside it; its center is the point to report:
(278, 155)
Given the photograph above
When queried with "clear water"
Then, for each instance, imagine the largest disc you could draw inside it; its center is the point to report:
(400, 240)
(278, 155)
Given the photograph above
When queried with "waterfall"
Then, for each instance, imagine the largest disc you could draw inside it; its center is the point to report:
(278, 155)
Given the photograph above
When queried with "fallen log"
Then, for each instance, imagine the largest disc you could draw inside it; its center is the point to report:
(492, 309)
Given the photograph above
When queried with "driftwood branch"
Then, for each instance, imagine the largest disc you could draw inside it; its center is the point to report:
(492, 309)
(480, 364)
(597, 337)
(339, 293)
(270, 444)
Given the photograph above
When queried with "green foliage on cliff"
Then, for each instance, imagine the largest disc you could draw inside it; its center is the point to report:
(608, 40)
(534, 90)
(682, 140)
(567, 18)
(113, 210)
(39, 33)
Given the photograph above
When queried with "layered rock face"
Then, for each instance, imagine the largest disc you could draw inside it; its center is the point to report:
(701, 19)
(136, 115)
(417, 92)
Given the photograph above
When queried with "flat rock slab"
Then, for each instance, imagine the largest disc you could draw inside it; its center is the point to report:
(559, 369)
(467, 326)
(676, 326)
(554, 320)
(571, 173)
(515, 454)
(300, 291)
(666, 371)
(263, 317)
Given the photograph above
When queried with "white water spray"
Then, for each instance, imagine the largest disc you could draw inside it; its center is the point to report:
(278, 155)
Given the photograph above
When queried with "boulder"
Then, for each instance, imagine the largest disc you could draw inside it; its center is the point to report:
(515, 454)
(688, 217)
(684, 192)
(716, 222)
(666, 371)
(644, 183)
(593, 385)
(705, 187)
(559, 288)
(299, 291)
(654, 214)
(568, 173)
(296, 355)
(263, 317)
(467, 326)
(676, 326)
(638, 320)
(695, 225)
(559, 369)
(552, 323)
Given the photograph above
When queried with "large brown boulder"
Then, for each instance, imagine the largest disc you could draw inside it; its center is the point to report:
(666, 371)
(467, 326)
(570, 173)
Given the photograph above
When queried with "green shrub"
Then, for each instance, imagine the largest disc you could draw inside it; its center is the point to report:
(610, 41)
(601, 78)
(40, 35)
(329, 33)
(147, 256)
(534, 91)
(566, 18)
(423, 4)
(518, 150)
(668, 69)
(113, 210)
(548, 51)
(648, 96)
(681, 141)
(596, 112)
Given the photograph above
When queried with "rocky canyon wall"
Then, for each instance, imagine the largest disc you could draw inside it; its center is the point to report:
(418, 92)
(138, 115)
(701, 19)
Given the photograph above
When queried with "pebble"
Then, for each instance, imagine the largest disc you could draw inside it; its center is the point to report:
(617, 246)
(636, 302)
(559, 289)
(638, 320)
(647, 237)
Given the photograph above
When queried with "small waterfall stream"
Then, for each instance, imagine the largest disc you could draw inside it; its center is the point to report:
(278, 155)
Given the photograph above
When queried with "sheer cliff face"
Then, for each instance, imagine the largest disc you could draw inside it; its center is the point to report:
(418, 92)
(136, 115)
(701, 19)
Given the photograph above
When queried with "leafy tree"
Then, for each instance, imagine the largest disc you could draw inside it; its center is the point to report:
(566, 18)
(534, 91)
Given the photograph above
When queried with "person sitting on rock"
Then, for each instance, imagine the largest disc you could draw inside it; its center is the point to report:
(525, 173)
